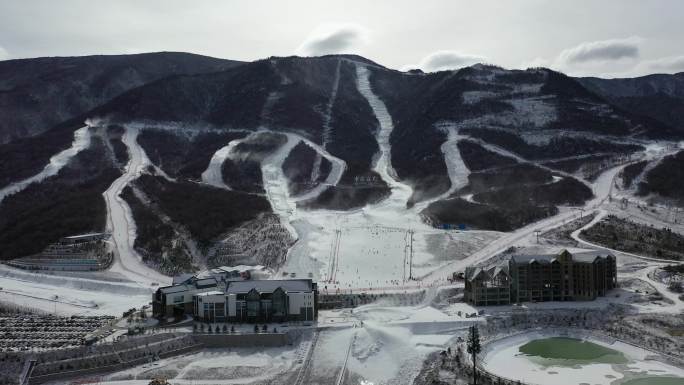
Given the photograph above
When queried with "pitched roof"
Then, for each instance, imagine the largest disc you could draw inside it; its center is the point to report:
(173, 289)
(181, 278)
(529, 258)
(589, 256)
(268, 286)
(581, 257)
(190, 284)
(474, 272)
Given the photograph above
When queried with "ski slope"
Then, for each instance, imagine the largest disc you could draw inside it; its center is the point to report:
(379, 246)
(57, 161)
(213, 175)
(400, 193)
(120, 221)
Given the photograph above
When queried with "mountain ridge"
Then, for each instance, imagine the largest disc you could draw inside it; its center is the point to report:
(531, 142)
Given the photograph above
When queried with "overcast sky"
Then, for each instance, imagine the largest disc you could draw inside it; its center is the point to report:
(609, 38)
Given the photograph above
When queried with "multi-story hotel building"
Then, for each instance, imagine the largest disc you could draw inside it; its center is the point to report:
(548, 277)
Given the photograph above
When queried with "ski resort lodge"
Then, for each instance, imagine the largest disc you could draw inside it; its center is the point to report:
(548, 277)
(240, 300)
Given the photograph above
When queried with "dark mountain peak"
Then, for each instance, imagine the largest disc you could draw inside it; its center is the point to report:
(332, 58)
(36, 94)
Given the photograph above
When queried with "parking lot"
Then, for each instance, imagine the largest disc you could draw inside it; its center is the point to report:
(25, 332)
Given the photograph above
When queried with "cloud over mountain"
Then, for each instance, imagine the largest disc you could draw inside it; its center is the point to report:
(602, 50)
(445, 60)
(334, 38)
(666, 64)
(4, 55)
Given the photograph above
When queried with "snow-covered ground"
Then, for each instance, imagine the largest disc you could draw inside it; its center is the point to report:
(57, 161)
(338, 166)
(401, 192)
(503, 358)
(213, 175)
(69, 294)
(456, 168)
(371, 247)
(214, 366)
(120, 221)
(387, 345)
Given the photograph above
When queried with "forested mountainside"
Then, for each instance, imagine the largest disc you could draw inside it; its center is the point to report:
(537, 111)
(36, 94)
(220, 152)
(658, 96)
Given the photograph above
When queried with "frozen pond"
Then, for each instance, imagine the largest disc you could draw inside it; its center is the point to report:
(543, 358)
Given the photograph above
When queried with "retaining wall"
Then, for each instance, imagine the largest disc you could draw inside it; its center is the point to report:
(63, 375)
(241, 340)
(336, 301)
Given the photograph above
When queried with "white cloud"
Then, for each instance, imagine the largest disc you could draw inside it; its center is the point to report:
(332, 38)
(605, 58)
(669, 64)
(4, 55)
(445, 60)
(601, 51)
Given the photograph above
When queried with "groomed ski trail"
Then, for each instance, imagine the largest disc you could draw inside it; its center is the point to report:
(213, 175)
(400, 193)
(57, 161)
(456, 168)
(120, 221)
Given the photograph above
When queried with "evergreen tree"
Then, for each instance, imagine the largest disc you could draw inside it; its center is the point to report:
(474, 348)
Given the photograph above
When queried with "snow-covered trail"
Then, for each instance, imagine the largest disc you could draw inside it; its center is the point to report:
(336, 171)
(642, 274)
(57, 161)
(375, 242)
(327, 116)
(327, 129)
(213, 175)
(120, 221)
(275, 184)
(275, 181)
(502, 151)
(602, 190)
(400, 192)
(456, 168)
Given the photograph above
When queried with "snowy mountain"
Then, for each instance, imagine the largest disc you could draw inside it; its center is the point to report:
(36, 94)
(260, 162)
(658, 96)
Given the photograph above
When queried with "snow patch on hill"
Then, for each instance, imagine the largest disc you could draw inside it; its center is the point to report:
(213, 175)
(57, 161)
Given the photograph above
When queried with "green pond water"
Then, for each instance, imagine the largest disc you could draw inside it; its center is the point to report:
(571, 351)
